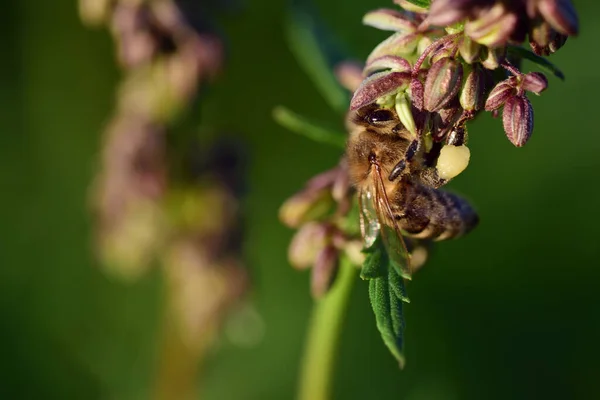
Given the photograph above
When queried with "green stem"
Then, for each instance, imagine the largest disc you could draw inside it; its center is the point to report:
(312, 130)
(323, 337)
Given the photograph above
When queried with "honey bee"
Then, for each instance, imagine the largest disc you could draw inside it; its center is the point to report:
(398, 185)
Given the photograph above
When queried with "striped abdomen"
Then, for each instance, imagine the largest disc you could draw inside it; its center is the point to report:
(427, 213)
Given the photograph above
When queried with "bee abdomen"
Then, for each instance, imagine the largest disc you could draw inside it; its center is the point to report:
(458, 219)
(436, 214)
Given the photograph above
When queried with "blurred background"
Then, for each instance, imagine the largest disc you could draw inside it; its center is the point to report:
(511, 311)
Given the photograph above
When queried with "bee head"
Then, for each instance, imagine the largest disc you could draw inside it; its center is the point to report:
(376, 119)
(379, 116)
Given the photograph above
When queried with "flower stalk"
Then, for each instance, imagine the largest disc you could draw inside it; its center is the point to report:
(323, 337)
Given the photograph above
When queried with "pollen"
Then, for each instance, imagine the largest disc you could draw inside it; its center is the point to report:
(452, 161)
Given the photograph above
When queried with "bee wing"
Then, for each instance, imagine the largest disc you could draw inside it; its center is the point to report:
(369, 221)
(390, 231)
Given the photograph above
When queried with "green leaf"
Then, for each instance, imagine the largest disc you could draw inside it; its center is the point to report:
(541, 61)
(389, 314)
(303, 126)
(420, 3)
(307, 46)
(388, 295)
(372, 267)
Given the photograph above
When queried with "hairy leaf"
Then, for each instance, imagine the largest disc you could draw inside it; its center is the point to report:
(387, 294)
(372, 267)
(378, 85)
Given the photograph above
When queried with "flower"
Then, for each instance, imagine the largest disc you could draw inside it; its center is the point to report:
(440, 85)
(517, 119)
(494, 23)
(323, 236)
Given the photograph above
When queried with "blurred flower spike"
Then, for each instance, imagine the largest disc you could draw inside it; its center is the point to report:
(438, 68)
(154, 204)
(165, 59)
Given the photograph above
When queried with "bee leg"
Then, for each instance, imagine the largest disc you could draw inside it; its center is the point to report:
(412, 150)
(457, 137)
(413, 147)
(397, 170)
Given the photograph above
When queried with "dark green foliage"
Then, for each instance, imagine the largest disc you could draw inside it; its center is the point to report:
(306, 40)
(316, 131)
(540, 61)
(372, 267)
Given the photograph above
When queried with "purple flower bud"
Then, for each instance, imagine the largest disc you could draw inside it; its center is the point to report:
(540, 33)
(442, 52)
(557, 42)
(517, 118)
(323, 180)
(94, 12)
(500, 94)
(353, 250)
(469, 50)
(442, 83)
(308, 241)
(560, 14)
(395, 63)
(397, 44)
(544, 40)
(349, 74)
(324, 271)
(341, 186)
(389, 20)
(493, 27)
(447, 12)
(378, 85)
(416, 93)
(535, 82)
(492, 60)
(305, 206)
(472, 96)
(537, 49)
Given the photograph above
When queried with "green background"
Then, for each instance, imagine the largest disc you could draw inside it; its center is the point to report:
(509, 312)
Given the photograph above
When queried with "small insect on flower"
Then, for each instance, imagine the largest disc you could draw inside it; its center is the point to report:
(398, 192)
